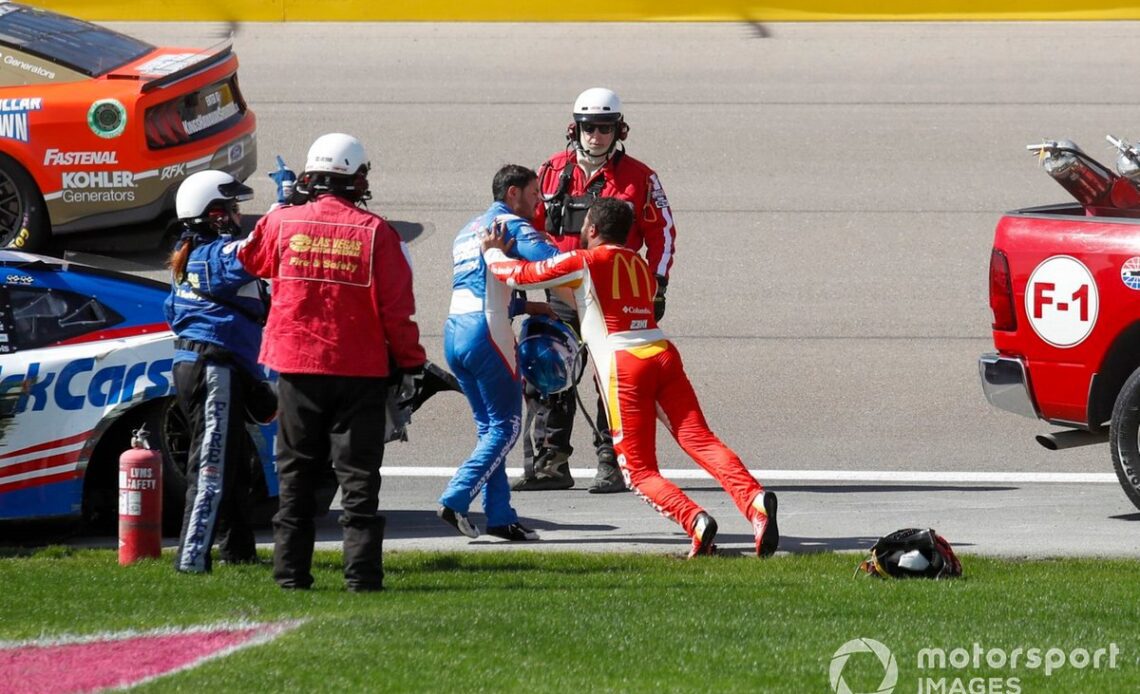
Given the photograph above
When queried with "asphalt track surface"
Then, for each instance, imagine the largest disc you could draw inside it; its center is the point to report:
(835, 188)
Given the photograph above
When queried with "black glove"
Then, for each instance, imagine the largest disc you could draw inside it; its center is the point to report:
(659, 298)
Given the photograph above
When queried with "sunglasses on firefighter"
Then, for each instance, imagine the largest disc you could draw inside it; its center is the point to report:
(603, 128)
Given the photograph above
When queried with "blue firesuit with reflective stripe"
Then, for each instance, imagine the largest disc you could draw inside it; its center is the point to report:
(215, 364)
(480, 348)
(214, 270)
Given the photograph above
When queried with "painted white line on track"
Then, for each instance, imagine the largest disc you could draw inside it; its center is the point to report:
(894, 476)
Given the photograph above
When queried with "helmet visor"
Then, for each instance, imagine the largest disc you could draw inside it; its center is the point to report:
(236, 190)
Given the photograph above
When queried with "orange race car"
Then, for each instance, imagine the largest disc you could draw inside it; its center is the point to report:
(97, 129)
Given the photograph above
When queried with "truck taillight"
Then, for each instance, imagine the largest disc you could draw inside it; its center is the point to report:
(1001, 293)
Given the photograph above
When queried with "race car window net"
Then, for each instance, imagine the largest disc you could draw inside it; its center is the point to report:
(42, 317)
(73, 43)
(195, 116)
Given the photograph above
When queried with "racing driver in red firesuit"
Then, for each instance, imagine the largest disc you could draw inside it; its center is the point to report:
(640, 372)
(594, 164)
(342, 306)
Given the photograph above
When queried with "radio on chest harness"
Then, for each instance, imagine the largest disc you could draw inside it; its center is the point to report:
(564, 212)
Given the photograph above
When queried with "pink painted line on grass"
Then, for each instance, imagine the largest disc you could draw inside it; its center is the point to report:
(90, 663)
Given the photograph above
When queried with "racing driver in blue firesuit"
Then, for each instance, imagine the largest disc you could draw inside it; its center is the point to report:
(480, 348)
(216, 310)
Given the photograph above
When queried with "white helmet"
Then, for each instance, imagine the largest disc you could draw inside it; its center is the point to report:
(597, 105)
(337, 153)
(202, 190)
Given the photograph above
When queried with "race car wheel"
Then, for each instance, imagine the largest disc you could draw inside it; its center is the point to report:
(1124, 437)
(23, 216)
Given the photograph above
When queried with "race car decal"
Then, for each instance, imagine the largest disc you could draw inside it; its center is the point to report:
(107, 118)
(47, 445)
(77, 384)
(169, 63)
(116, 333)
(31, 467)
(1130, 273)
(1061, 301)
(55, 157)
(19, 64)
(14, 117)
(115, 186)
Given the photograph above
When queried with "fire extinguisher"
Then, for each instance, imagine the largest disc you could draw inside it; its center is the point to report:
(140, 501)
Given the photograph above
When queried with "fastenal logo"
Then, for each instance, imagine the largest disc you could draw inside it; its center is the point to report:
(886, 659)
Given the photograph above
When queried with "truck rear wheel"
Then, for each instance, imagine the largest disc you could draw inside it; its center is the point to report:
(1124, 437)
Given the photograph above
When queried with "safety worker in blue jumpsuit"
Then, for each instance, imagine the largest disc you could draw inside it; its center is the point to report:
(480, 348)
(216, 310)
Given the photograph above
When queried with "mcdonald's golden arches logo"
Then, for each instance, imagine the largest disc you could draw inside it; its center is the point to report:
(631, 263)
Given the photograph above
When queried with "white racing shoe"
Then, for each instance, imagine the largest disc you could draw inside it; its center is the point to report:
(458, 521)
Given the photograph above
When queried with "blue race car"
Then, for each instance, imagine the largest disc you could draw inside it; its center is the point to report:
(85, 358)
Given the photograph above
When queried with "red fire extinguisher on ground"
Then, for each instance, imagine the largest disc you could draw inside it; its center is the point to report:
(140, 501)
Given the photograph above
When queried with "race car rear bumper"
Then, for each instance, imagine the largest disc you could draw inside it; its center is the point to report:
(1006, 384)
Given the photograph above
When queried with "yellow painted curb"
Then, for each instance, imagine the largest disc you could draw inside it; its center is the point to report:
(633, 10)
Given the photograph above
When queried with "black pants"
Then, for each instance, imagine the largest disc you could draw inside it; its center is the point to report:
(323, 421)
(218, 473)
(550, 421)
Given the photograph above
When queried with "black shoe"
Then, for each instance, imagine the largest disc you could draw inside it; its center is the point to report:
(551, 472)
(542, 484)
(242, 561)
(704, 531)
(515, 532)
(608, 480)
(458, 521)
(367, 588)
(764, 525)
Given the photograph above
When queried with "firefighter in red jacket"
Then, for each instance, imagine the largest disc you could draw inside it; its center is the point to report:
(593, 165)
(342, 307)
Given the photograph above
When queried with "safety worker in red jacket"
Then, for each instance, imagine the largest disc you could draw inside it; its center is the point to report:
(342, 308)
(641, 373)
(593, 165)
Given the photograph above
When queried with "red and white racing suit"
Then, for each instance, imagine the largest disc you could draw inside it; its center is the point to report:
(621, 177)
(640, 370)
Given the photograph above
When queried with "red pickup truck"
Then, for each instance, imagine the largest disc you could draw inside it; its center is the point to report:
(1065, 294)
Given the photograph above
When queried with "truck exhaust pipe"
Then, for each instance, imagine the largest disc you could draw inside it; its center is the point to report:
(1072, 438)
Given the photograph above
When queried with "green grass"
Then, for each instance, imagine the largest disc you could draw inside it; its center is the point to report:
(521, 621)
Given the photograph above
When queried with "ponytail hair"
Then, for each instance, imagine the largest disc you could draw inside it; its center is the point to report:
(179, 257)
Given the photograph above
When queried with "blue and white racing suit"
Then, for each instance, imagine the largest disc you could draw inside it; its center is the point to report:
(480, 348)
(217, 312)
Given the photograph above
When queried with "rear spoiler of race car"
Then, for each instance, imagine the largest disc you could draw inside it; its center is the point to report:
(222, 55)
